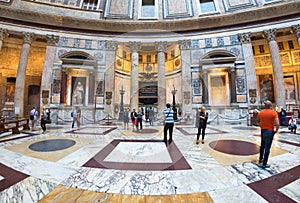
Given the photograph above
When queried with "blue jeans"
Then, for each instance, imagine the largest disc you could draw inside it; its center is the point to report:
(265, 146)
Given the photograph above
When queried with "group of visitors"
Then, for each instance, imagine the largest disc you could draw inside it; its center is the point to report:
(34, 117)
(136, 118)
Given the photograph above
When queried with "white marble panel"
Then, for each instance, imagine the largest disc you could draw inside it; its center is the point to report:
(292, 190)
(140, 152)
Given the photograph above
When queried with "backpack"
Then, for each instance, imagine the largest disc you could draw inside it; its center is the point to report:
(31, 117)
(72, 114)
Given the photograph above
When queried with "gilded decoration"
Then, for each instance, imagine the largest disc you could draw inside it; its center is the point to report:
(285, 58)
(296, 57)
(263, 61)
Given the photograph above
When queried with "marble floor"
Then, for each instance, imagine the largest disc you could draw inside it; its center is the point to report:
(107, 163)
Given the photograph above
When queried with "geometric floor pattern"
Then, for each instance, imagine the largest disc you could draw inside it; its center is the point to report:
(105, 163)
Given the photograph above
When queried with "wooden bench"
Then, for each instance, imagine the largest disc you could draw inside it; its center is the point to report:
(14, 125)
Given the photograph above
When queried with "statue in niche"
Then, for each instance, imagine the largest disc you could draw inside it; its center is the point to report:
(78, 94)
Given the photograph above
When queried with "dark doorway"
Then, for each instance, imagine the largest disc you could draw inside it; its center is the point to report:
(148, 93)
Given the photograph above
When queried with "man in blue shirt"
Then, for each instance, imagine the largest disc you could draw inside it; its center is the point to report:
(169, 123)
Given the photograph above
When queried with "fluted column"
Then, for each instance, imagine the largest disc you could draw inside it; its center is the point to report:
(3, 34)
(161, 82)
(134, 75)
(21, 73)
(205, 86)
(111, 48)
(91, 87)
(277, 67)
(184, 46)
(233, 84)
(296, 31)
(63, 86)
(47, 70)
(250, 67)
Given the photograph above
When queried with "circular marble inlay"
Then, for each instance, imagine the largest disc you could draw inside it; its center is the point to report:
(244, 128)
(149, 131)
(235, 147)
(54, 127)
(51, 145)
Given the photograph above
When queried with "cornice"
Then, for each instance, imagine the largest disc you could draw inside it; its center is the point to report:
(55, 22)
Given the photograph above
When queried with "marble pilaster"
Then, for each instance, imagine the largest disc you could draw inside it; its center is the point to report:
(91, 87)
(184, 46)
(233, 84)
(161, 83)
(205, 86)
(3, 34)
(134, 74)
(21, 73)
(296, 31)
(52, 40)
(245, 39)
(111, 48)
(63, 86)
(277, 67)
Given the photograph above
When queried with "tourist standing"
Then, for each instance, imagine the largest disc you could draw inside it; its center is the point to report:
(139, 121)
(169, 123)
(43, 120)
(33, 117)
(202, 123)
(151, 116)
(268, 118)
(133, 116)
(126, 119)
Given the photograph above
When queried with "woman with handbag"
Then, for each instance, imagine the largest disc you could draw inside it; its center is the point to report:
(43, 120)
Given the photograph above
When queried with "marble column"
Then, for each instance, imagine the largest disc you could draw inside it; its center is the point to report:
(111, 48)
(63, 86)
(134, 74)
(3, 34)
(277, 67)
(245, 39)
(161, 81)
(91, 87)
(233, 85)
(21, 74)
(186, 88)
(205, 86)
(46, 82)
(296, 31)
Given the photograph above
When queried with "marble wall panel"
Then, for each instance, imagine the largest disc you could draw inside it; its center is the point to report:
(119, 9)
(177, 9)
(231, 5)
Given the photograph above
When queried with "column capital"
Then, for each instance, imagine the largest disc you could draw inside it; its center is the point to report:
(160, 46)
(3, 33)
(135, 46)
(232, 68)
(111, 45)
(296, 30)
(28, 37)
(52, 40)
(184, 44)
(270, 34)
(204, 71)
(245, 38)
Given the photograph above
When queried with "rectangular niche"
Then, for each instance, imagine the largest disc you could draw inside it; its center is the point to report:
(232, 5)
(119, 9)
(177, 9)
